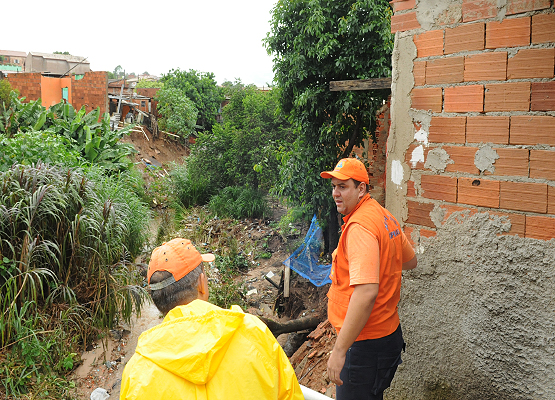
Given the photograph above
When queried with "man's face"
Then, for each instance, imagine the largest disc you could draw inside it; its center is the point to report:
(346, 195)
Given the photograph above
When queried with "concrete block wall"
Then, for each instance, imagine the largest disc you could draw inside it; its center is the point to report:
(483, 102)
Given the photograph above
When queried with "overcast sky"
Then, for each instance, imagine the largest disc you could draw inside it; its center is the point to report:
(219, 36)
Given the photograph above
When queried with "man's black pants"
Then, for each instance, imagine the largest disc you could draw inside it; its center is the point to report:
(370, 366)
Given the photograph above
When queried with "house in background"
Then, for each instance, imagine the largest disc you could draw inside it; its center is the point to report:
(12, 61)
(9, 57)
(56, 64)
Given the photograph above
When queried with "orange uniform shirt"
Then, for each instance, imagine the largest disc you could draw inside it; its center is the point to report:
(372, 249)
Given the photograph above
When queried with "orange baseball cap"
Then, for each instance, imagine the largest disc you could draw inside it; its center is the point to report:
(179, 257)
(348, 168)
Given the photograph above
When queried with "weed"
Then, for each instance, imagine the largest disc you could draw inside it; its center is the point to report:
(239, 202)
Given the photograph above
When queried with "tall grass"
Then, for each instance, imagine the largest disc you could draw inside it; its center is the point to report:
(239, 202)
(67, 242)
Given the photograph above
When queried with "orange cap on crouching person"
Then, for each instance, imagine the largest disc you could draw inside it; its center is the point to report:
(178, 256)
(348, 168)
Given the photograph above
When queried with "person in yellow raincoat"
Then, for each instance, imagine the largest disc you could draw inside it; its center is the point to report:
(201, 351)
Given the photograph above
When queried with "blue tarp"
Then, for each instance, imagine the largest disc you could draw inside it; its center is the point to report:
(304, 260)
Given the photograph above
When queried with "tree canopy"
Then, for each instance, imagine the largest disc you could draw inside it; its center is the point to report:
(246, 149)
(314, 42)
(201, 88)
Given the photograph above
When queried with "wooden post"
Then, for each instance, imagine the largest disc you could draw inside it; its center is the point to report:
(286, 282)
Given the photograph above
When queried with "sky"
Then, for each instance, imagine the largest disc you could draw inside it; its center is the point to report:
(219, 36)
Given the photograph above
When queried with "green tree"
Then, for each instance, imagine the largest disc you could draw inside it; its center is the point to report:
(179, 114)
(246, 149)
(143, 83)
(5, 89)
(315, 42)
(201, 89)
(118, 72)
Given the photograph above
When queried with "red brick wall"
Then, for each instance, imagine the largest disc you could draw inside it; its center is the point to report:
(28, 84)
(486, 79)
(150, 92)
(91, 91)
(377, 154)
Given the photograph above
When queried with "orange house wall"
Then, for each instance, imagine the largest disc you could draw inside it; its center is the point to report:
(51, 90)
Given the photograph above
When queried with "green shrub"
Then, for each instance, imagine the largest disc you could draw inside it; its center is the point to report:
(31, 147)
(68, 241)
(189, 188)
(239, 202)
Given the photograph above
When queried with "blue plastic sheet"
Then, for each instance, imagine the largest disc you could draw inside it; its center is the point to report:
(304, 260)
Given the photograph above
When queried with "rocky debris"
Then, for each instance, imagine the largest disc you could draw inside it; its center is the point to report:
(311, 359)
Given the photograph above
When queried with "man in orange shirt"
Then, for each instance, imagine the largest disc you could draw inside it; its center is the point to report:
(365, 289)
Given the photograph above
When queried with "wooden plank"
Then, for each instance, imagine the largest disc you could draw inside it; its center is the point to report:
(360, 84)
(286, 281)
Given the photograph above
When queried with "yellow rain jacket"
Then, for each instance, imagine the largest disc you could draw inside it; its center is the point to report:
(201, 351)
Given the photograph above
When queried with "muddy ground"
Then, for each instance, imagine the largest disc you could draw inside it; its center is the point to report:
(102, 365)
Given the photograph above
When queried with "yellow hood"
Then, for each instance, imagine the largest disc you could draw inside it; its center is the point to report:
(194, 358)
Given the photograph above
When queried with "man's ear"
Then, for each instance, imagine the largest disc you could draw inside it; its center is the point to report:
(362, 187)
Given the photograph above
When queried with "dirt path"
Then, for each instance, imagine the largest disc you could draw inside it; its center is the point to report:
(103, 365)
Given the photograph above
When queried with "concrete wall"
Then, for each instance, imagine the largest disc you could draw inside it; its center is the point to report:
(471, 173)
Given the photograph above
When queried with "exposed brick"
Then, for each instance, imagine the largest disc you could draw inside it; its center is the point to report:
(447, 130)
(551, 199)
(540, 227)
(532, 63)
(508, 33)
(400, 5)
(478, 9)
(419, 72)
(439, 187)
(450, 209)
(532, 130)
(517, 220)
(513, 96)
(427, 233)
(518, 223)
(411, 191)
(543, 96)
(408, 233)
(521, 6)
(464, 38)
(487, 129)
(427, 99)
(486, 67)
(478, 192)
(463, 159)
(543, 28)
(445, 70)
(419, 213)
(404, 22)
(429, 43)
(511, 162)
(542, 164)
(464, 98)
(409, 156)
(523, 196)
